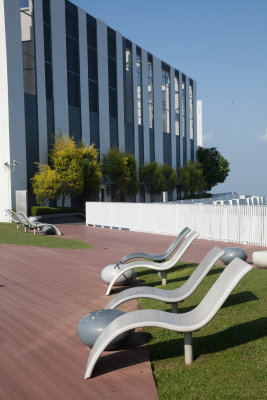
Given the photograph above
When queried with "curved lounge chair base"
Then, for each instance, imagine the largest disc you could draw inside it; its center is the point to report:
(40, 225)
(184, 323)
(161, 267)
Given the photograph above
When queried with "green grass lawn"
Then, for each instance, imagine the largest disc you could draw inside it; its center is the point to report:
(9, 234)
(230, 353)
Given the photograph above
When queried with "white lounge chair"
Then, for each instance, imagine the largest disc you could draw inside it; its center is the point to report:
(34, 225)
(185, 323)
(156, 257)
(160, 267)
(14, 218)
(171, 296)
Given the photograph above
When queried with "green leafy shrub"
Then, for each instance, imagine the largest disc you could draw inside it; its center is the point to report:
(37, 210)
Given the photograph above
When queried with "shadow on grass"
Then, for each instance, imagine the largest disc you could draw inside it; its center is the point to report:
(176, 268)
(233, 300)
(135, 354)
(176, 280)
(231, 337)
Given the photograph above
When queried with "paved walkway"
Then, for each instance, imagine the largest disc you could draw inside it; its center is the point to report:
(45, 292)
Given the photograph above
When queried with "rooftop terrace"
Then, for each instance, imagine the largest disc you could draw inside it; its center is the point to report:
(45, 292)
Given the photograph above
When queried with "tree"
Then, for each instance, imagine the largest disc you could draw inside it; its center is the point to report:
(120, 168)
(74, 167)
(215, 166)
(133, 187)
(152, 178)
(170, 177)
(92, 173)
(191, 179)
(46, 184)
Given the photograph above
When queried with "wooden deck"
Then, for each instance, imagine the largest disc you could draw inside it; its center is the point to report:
(45, 292)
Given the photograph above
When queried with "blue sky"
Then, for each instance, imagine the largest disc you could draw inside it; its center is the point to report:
(223, 46)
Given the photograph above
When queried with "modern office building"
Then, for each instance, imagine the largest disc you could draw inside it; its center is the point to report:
(64, 70)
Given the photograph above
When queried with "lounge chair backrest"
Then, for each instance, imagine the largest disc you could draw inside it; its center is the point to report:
(208, 261)
(178, 239)
(13, 216)
(220, 290)
(24, 218)
(181, 249)
(157, 257)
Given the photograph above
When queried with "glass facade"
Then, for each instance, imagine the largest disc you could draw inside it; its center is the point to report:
(191, 120)
(128, 97)
(165, 87)
(48, 72)
(139, 100)
(191, 115)
(73, 71)
(112, 83)
(177, 103)
(183, 104)
(139, 86)
(150, 90)
(93, 80)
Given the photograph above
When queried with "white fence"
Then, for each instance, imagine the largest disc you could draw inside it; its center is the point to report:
(239, 224)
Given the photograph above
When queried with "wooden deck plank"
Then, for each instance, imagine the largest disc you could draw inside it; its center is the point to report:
(45, 294)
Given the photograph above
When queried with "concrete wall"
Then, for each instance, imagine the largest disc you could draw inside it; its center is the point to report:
(13, 143)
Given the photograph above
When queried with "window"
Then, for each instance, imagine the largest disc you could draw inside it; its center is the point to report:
(112, 43)
(93, 96)
(46, 11)
(28, 51)
(92, 64)
(113, 103)
(73, 90)
(129, 83)
(91, 32)
(73, 59)
(49, 81)
(48, 50)
(176, 103)
(191, 111)
(72, 20)
(139, 85)
(112, 82)
(112, 73)
(150, 91)
(73, 55)
(166, 98)
(183, 105)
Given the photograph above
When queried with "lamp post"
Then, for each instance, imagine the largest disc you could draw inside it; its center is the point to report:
(10, 168)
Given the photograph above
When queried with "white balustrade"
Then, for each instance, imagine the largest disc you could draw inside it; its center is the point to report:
(230, 223)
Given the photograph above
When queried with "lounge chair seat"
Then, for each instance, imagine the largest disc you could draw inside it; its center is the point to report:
(171, 296)
(185, 323)
(160, 267)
